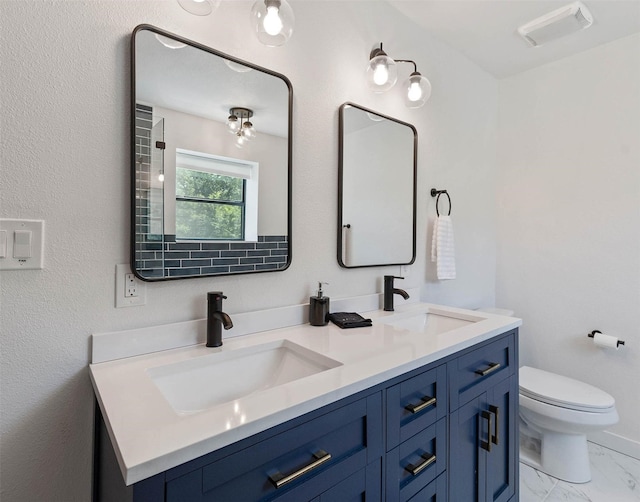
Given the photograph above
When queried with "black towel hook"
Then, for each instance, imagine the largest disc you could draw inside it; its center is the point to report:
(437, 193)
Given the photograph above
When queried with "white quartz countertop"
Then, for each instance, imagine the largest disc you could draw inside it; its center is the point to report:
(149, 436)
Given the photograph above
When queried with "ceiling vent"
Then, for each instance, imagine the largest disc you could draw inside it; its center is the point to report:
(559, 23)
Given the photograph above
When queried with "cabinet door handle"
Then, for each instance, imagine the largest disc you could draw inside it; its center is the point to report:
(427, 460)
(486, 445)
(279, 480)
(492, 367)
(417, 408)
(496, 412)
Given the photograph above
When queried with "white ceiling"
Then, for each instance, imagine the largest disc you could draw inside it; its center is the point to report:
(203, 84)
(486, 30)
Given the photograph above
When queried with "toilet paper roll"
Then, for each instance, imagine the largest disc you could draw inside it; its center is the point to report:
(608, 341)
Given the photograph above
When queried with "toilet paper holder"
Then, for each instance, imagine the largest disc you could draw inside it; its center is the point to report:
(593, 333)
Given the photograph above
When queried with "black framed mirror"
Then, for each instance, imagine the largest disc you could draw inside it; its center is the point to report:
(211, 161)
(377, 171)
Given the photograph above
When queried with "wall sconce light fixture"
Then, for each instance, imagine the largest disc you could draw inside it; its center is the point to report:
(238, 124)
(382, 75)
(272, 21)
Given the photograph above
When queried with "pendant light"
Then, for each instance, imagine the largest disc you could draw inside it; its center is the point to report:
(272, 21)
(239, 125)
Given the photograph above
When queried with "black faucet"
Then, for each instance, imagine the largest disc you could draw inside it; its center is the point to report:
(389, 291)
(216, 319)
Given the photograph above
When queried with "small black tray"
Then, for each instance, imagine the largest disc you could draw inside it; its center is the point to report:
(349, 320)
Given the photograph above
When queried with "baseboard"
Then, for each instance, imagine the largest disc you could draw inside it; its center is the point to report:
(617, 443)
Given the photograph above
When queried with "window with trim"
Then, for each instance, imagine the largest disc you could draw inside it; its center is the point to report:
(216, 197)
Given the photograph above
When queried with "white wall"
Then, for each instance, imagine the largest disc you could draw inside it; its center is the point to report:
(65, 159)
(569, 217)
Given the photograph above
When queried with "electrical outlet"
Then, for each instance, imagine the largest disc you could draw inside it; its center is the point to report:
(130, 286)
(130, 291)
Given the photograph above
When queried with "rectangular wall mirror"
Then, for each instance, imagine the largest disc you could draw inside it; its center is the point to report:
(376, 190)
(211, 161)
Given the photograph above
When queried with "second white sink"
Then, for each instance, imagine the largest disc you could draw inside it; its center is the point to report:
(203, 382)
(430, 323)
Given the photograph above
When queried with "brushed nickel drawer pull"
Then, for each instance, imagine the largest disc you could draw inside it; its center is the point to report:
(496, 411)
(427, 460)
(492, 367)
(279, 480)
(417, 408)
(486, 445)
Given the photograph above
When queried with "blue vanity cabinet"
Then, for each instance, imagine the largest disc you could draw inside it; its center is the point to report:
(483, 454)
(418, 437)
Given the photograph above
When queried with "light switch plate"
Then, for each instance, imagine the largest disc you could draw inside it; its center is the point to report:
(30, 251)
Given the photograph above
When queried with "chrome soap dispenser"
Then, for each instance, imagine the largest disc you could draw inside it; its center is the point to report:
(319, 308)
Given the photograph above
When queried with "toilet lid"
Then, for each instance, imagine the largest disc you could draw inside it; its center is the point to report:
(562, 391)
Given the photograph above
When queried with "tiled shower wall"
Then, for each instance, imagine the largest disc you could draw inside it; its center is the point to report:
(176, 259)
(144, 122)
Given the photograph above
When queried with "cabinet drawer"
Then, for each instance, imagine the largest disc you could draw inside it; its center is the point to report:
(417, 462)
(473, 373)
(415, 404)
(314, 455)
(436, 491)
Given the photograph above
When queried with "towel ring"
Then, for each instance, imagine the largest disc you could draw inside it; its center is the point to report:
(437, 194)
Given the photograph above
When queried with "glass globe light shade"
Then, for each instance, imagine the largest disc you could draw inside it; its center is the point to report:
(199, 7)
(272, 21)
(248, 130)
(233, 124)
(382, 73)
(418, 90)
(240, 139)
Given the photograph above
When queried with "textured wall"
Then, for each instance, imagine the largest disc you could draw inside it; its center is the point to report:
(65, 154)
(569, 217)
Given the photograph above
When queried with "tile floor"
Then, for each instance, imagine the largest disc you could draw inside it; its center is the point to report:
(614, 478)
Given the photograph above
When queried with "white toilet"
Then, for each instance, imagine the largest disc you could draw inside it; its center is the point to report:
(556, 413)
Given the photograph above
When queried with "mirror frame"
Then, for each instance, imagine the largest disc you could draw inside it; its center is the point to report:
(132, 136)
(341, 188)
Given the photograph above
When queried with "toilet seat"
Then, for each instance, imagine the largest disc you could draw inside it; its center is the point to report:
(564, 392)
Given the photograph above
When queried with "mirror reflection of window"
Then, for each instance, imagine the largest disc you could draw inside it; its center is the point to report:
(216, 197)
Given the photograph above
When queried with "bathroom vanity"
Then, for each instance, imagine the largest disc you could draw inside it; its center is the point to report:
(422, 404)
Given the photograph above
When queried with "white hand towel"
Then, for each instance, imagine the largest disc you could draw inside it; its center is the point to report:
(442, 248)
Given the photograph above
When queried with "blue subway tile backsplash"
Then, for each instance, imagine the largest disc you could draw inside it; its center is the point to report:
(178, 259)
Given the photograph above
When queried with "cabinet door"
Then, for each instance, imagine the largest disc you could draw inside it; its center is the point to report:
(484, 446)
(467, 459)
(502, 472)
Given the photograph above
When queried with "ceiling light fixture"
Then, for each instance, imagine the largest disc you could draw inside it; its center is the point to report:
(272, 21)
(556, 24)
(199, 7)
(239, 125)
(382, 75)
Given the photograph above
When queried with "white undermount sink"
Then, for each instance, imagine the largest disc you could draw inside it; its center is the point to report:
(221, 377)
(430, 322)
